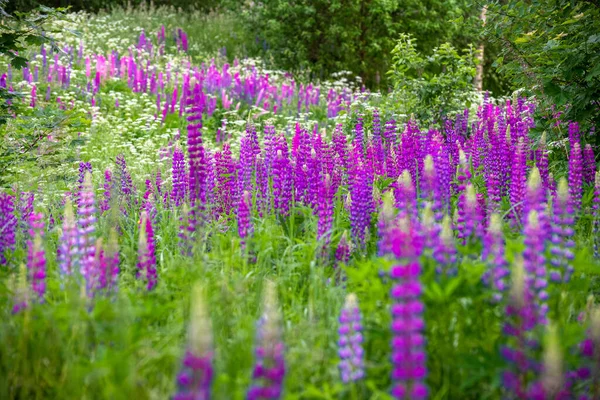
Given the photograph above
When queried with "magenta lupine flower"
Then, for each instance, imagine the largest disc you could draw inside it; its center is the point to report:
(521, 319)
(8, 224)
(269, 367)
(243, 216)
(146, 253)
(518, 181)
(470, 216)
(179, 176)
(493, 255)
(108, 189)
(563, 220)
(535, 265)
(25, 207)
(124, 178)
(589, 164)
(282, 179)
(325, 210)
(408, 341)
(67, 249)
(361, 199)
(588, 372)
(596, 215)
(342, 252)
(36, 255)
(86, 221)
(444, 249)
(359, 135)
(430, 189)
(194, 380)
(226, 184)
(541, 156)
(350, 341)
(196, 153)
(84, 167)
(576, 176)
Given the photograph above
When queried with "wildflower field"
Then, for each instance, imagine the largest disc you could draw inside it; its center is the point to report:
(179, 221)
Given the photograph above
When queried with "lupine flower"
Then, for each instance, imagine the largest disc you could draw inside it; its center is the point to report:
(493, 255)
(361, 199)
(518, 181)
(146, 253)
(84, 167)
(282, 179)
(589, 164)
(194, 380)
(350, 341)
(576, 176)
(405, 195)
(325, 210)
(470, 216)
(36, 256)
(596, 215)
(521, 319)
(86, 222)
(67, 249)
(125, 184)
(563, 220)
(431, 189)
(108, 190)
(408, 342)
(444, 249)
(541, 155)
(243, 215)
(8, 224)
(587, 374)
(178, 194)
(269, 367)
(536, 278)
(342, 253)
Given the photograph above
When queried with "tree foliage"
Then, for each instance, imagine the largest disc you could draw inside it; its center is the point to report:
(551, 48)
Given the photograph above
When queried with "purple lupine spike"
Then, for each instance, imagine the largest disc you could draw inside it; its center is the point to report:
(387, 216)
(359, 135)
(576, 176)
(389, 134)
(263, 197)
(67, 249)
(573, 134)
(196, 153)
(179, 192)
(282, 179)
(405, 195)
(243, 215)
(8, 225)
(596, 215)
(431, 189)
(493, 255)
(562, 249)
(521, 319)
(269, 367)
(195, 378)
(470, 216)
(226, 185)
(325, 210)
(36, 255)
(541, 161)
(589, 164)
(84, 167)
(587, 373)
(126, 188)
(146, 253)
(350, 341)
(342, 252)
(361, 198)
(25, 206)
(444, 250)
(86, 227)
(108, 190)
(518, 181)
(408, 341)
(112, 259)
(535, 265)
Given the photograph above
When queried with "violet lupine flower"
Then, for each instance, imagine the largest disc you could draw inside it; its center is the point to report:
(535, 265)
(596, 215)
(493, 255)
(84, 167)
(521, 319)
(282, 179)
(518, 181)
(243, 215)
(431, 189)
(470, 216)
(67, 249)
(342, 252)
(194, 380)
(588, 373)
(8, 224)
(386, 222)
(269, 367)
(146, 253)
(325, 210)
(408, 341)
(124, 179)
(563, 220)
(36, 256)
(86, 221)
(178, 194)
(576, 176)
(589, 164)
(225, 176)
(350, 341)
(405, 195)
(361, 198)
(444, 250)
(196, 155)
(108, 189)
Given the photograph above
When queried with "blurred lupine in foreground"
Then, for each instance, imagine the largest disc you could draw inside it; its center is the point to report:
(562, 249)
(195, 378)
(350, 341)
(493, 254)
(86, 221)
(588, 372)
(408, 341)
(146, 263)
(8, 224)
(269, 365)
(243, 213)
(36, 255)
